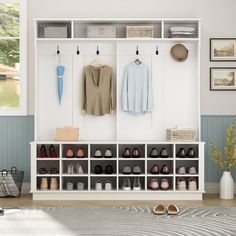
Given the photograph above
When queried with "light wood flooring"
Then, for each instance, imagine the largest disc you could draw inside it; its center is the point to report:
(26, 201)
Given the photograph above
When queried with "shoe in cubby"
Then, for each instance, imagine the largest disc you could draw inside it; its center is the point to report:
(132, 150)
(192, 184)
(160, 150)
(75, 183)
(153, 153)
(181, 184)
(54, 185)
(44, 184)
(153, 184)
(78, 151)
(181, 170)
(187, 151)
(155, 170)
(103, 151)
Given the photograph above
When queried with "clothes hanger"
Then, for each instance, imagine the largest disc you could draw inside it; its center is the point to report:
(97, 62)
(137, 61)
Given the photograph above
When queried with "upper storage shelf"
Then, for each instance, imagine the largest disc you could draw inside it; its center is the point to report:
(118, 29)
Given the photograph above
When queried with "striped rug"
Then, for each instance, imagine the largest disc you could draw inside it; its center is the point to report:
(197, 221)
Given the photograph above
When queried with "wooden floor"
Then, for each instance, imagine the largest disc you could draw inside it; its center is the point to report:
(26, 201)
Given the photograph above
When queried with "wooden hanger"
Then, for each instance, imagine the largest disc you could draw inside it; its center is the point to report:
(97, 62)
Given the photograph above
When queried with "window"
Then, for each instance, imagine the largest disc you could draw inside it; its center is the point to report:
(13, 45)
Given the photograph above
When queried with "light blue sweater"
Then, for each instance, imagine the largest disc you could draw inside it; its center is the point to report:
(137, 89)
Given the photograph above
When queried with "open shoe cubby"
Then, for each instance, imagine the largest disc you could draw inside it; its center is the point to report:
(117, 178)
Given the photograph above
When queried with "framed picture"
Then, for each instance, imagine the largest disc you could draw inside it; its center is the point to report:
(223, 49)
(223, 78)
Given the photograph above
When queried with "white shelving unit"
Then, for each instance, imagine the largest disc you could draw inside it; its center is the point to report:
(176, 99)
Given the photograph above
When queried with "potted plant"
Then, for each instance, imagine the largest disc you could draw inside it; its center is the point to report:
(226, 161)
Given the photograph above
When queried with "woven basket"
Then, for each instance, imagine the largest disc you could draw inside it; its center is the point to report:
(139, 31)
(176, 134)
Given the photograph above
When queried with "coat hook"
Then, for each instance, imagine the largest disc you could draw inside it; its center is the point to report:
(77, 52)
(157, 51)
(137, 51)
(58, 51)
(97, 52)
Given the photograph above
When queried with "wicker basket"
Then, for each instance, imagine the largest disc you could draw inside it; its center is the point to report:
(139, 31)
(101, 31)
(177, 134)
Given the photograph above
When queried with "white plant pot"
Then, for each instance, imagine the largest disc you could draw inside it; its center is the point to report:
(226, 186)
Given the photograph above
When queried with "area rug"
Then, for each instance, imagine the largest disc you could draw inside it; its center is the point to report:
(197, 221)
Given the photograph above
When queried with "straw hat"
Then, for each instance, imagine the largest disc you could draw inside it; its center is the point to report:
(179, 52)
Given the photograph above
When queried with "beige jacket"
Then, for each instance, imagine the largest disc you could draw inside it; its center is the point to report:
(98, 90)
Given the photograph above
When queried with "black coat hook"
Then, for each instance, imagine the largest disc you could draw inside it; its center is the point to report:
(97, 52)
(78, 51)
(137, 51)
(58, 51)
(157, 51)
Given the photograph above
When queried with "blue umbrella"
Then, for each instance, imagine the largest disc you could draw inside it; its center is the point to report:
(60, 73)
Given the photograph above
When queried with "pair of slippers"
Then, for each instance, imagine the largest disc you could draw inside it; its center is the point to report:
(161, 210)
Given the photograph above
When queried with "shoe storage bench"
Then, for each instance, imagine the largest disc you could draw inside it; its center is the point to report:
(75, 44)
(117, 178)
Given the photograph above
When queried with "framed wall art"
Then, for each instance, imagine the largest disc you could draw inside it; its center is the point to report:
(223, 49)
(223, 78)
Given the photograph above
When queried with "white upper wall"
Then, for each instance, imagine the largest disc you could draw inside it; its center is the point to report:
(218, 20)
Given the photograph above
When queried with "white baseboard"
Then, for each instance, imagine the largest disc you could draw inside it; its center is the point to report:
(209, 188)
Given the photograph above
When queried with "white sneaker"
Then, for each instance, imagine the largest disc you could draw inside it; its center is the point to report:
(181, 170)
(98, 186)
(108, 186)
(79, 169)
(70, 169)
(181, 184)
(192, 184)
(192, 170)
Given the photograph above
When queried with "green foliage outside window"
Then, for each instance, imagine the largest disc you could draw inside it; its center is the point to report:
(9, 27)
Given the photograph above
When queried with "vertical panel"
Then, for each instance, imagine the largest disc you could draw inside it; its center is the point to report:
(15, 135)
(214, 128)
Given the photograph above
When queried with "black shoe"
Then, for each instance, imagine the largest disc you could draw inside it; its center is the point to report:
(164, 153)
(98, 170)
(191, 153)
(181, 153)
(109, 170)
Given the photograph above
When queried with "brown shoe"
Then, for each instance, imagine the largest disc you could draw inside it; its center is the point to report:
(126, 153)
(155, 170)
(172, 209)
(159, 209)
(80, 153)
(136, 153)
(69, 153)
(165, 170)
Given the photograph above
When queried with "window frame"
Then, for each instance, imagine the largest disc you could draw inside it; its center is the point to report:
(22, 109)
